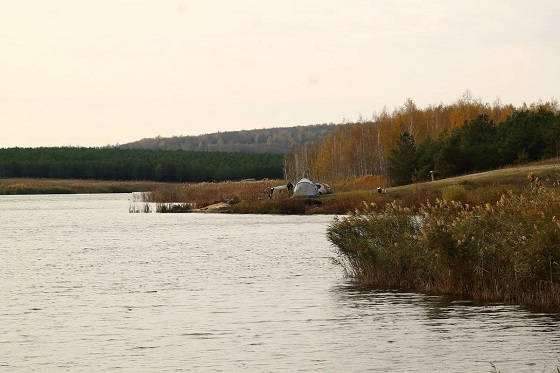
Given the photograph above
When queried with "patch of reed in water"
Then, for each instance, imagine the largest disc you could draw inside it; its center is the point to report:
(508, 251)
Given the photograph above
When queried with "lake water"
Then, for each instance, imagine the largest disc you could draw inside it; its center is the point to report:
(86, 286)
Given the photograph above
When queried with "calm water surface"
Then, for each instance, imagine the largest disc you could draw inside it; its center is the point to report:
(86, 286)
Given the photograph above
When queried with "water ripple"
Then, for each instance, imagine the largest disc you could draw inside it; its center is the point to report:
(88, 287)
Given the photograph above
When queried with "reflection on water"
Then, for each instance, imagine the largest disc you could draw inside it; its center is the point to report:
(87, 286)
(459, 335)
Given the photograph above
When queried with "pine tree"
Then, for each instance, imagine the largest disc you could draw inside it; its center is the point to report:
(402, 161)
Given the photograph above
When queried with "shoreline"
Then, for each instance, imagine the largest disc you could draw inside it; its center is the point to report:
(247, 197)
(30, 186)
(483, 187)
(506, 251)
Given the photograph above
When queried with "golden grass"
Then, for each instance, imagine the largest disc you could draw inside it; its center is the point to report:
(203, 194)
(250, 196)
(454, 193)
(510, 175)
(507, 251)
(369, 182)
(328, 204)
(62, 186)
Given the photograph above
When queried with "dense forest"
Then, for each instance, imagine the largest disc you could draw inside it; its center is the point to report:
(127, 164)
(280, 140)
(403, 146)
(478, 145)
(365, 148)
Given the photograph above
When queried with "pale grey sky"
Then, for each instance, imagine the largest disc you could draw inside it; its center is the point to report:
(77, 72)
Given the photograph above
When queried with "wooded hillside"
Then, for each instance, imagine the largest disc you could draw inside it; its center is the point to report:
(364, 148)
(479, 145)
(279, 140)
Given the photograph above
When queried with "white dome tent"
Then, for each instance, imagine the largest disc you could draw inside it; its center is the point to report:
(305, 188)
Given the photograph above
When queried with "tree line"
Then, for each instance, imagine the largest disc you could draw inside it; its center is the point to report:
(478, 145)
(364, 147)
(134, 164)
(267, 140)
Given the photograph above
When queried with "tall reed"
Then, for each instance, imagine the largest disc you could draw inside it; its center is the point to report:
(507, 251)
(203, 194)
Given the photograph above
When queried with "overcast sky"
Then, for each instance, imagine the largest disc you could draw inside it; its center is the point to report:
(76, 72)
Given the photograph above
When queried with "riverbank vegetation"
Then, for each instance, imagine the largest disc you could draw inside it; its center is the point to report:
(69, 186)
(507, 251)
(247, 197)
(131, 164)
(204, 194)
(250, 196)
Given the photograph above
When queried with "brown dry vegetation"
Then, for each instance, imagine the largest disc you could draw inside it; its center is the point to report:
(506, 251)
(368, 182)
(328, 204)
(203, 194)
(58, 186)
(362, 148)
(249, 196)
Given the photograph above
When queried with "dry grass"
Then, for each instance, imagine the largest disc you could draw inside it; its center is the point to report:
(250, 197)
(369, 182)
(292, 206)
(512, 175)
(203, 194)
(505, 251)
(328, 204)
(60, 186)
(454, 193)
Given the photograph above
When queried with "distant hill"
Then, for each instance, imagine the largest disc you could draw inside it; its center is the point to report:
(269, 140)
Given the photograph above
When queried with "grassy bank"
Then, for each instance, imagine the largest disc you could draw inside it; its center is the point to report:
(204, 194)
(63, 186)
(250, 196)
(507, 251)
(246, 197)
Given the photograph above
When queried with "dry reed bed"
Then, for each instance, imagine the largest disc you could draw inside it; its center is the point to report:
(369, 182)
(249, 196)
(203, 194)
(508, 251)
(69, 186)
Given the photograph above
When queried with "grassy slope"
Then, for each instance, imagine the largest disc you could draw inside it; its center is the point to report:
(480, 187)
(507, 175)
